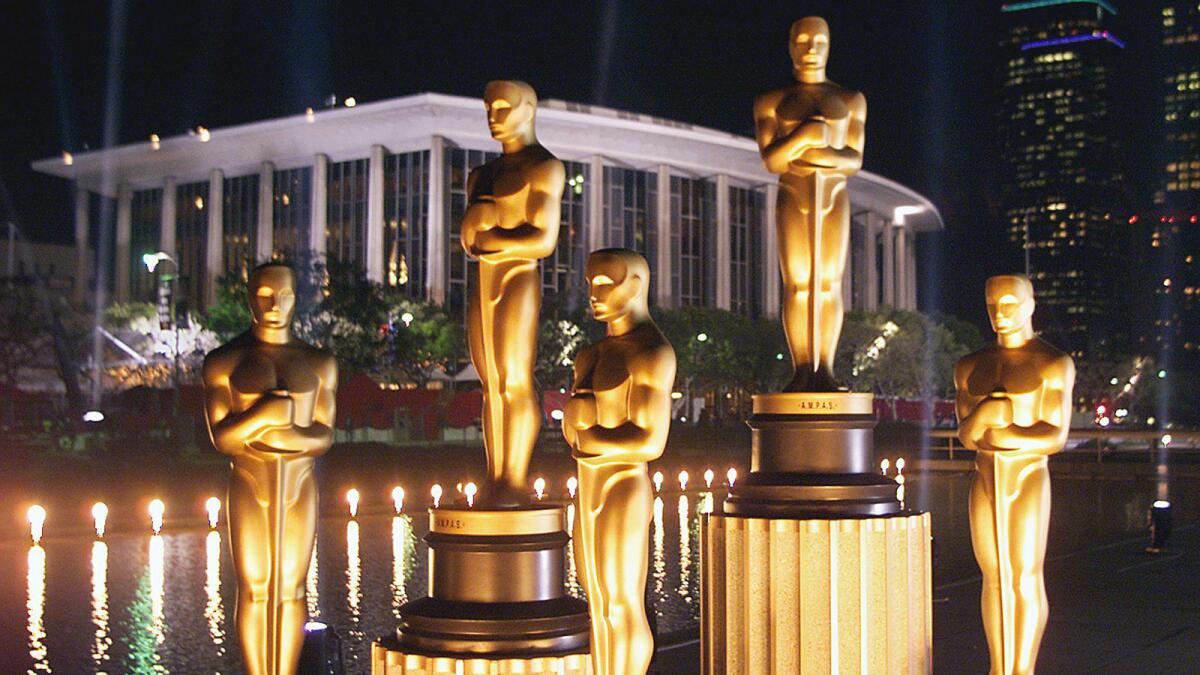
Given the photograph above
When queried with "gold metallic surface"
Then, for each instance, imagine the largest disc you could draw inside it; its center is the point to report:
(386, 661)
(1014, 408)
(798, 403)
(811, 134)
(815, 595)
(269, 402)
(482, 522)
(615, 422)
(511, 222)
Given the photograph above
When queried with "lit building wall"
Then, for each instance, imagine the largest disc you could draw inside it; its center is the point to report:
(1179, 183)
(383, 186)
(1060, 169)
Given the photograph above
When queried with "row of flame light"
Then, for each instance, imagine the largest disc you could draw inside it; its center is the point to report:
(157, 509)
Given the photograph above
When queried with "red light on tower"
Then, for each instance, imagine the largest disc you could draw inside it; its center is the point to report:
(1133, 219)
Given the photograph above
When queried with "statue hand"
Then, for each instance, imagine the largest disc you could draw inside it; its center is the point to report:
(274, 410)
(580, 411)
(996, 412)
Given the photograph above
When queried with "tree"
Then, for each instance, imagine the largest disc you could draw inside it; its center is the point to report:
(420, 338)
(136, 325)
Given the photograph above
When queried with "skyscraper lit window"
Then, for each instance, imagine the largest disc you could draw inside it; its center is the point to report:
(693, 250)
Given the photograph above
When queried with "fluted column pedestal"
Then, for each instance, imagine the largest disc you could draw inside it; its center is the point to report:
(816, 596)
(811, 565)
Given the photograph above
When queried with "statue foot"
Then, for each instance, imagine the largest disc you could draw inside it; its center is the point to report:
(813, 381)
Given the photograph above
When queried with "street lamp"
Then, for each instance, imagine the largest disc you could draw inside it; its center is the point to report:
(167, 307)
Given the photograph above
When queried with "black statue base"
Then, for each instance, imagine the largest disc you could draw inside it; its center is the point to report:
(496, 588)
(812, 456)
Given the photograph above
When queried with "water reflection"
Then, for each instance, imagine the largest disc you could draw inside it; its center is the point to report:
(157, 588)
(214, 611)
(35, 582)
(660, 561)
(685, 548)
(353, 574)
(573, 586)
(404, 544)
(100, 604)
(311, 594)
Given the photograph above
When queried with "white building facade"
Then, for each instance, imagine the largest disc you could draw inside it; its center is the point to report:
(383, 186)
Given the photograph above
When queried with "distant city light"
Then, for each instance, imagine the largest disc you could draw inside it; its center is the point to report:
(352, 497)
(68, 158)
(93, 416)
(154, 142)
(778, 356)
(351, 101)
(1162, 374)
(1070, 39)
(37, 519)
(436, 493)
(556, 415)
(398, 499)
(204, 134)
(1166, 439)
(676, 395)
(1162, 504)
(702, 337)
(100, 516)
(157, 511)
(198, 202)
(213, 507)
(407, 318)
(1113, 381)
(309, 115)
(899, 213)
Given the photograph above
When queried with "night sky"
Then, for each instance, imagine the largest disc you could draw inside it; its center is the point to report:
(75, 73)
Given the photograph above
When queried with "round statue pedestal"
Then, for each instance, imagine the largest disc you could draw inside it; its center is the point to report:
(810, 565)
(496, 603)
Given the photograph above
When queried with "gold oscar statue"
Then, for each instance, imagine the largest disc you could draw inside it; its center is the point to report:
(811, 134)
(510, 223)
(269, 400)
(1014, 409)
(615, 422)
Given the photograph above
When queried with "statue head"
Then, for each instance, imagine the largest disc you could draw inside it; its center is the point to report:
(271, 291)
(511, 106)
(809, 45)
(618, 284)
(1010, 304)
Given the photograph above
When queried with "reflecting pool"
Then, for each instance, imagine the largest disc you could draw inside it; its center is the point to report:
(163, 603)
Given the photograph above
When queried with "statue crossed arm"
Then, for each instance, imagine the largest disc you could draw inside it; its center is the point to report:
(533, 238)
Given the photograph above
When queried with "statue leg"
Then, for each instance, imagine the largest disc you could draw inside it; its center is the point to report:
(584, 536)
(249, 538)
(983, 541)
(515, 352)
(300, 530)
(475, 335)
(622, 545)
(794, 224)
(835, 245)
(1030, 524)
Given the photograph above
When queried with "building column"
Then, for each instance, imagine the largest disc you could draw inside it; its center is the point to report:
(166, 222)
(374, 251)
(901, 267)
(662, 218)
(770, 254)
(83, 262)
(871, 291)
(724, 273)
(318, 213)
(911, 266)
(435, 236)
(266, 213)
(889, 264)
(214, 250)
(121, 260)
(595, 204)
